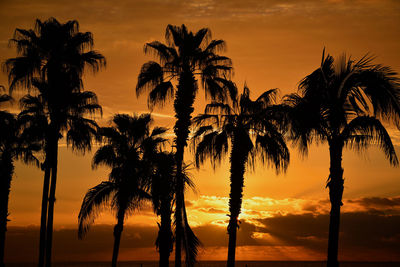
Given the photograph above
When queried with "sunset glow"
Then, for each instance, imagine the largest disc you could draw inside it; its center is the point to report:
(272, 44)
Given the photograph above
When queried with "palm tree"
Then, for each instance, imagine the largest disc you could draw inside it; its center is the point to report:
(46, 115)
(162, 189)
(13, 145)
(162, 195)
(51, 50)
(126, 189)
(185, 56)
(342, 103)
(253, 129)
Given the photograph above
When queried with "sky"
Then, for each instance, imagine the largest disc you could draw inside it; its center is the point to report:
(273, 44)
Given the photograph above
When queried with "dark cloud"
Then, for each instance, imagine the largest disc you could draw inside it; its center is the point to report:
(381, 202)
(97, 245)
(360, 231)
(363, 236)
(310, 207)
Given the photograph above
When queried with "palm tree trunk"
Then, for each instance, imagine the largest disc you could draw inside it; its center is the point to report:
(178, 222)
(43, 217)
(117, 238)
(52, 199)
(166, 245)
(6, 173)
(238, 160)
(183, 106)
(335, 185)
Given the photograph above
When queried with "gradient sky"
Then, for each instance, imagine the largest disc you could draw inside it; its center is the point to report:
(273, 44)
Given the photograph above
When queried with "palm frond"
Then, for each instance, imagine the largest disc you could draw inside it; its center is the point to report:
(105, 155)
(203, 118)
(163, 52)
(215, 46)
(202, 36)
(213, 145)
(161, 93)
(202, 130)
(268, 97)
(381, 85)
(81, 134)
(272, 149)
(175, 34)
(158, 131)
(362, 130)
(190, 242)
(216, 107)
(151, 74)
(92, 204)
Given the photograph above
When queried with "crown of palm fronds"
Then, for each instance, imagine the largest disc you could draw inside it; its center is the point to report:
(128, 146)
(49, 48)
(185, 51)
(70, 112)
(256, 123)
(15, 142)
(344, 100)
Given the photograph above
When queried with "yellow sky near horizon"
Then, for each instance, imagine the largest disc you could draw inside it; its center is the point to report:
(273, 44)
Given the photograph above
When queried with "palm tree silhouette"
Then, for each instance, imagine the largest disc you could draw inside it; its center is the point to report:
(14, 144)
(50, 114)
(185, 56)
(163, 185)
(124, 152)
(253, 129)
(162, 192)
(342, 103)
(54, 53)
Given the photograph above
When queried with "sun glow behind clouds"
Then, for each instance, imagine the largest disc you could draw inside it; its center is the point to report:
(260, 36)
(214, 210)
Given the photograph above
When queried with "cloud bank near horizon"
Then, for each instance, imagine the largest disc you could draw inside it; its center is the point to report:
(369, 232)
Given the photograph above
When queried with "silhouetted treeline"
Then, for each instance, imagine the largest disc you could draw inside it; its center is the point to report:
(343, 102)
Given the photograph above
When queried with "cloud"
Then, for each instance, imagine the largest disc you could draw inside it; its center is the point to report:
(156, 114)
(360, 231)
(97, 245)
(382, 202)
(363, 236)
(380, 205)
(213, 210)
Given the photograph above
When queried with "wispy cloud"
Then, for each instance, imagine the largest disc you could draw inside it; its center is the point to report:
(156, 114)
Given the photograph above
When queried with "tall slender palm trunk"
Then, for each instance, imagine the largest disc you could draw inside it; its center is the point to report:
(117, 238)
(52, 198)
(335, 185)
(165, 241)
(183, 106)
(238, 159)
(43, 216)
(6, 173)
(178, 218)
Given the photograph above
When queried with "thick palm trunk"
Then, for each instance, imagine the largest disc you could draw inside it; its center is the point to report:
(183, 106)
(165, 241)
(6, 173)
(117, 238)
(238, 160)
(335, 185)
(43, 216)
(52, 199)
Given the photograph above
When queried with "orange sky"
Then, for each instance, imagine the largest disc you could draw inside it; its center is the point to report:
(272, 44)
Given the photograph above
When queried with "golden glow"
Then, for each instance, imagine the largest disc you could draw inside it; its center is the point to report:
(272, 44)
